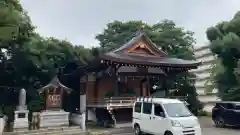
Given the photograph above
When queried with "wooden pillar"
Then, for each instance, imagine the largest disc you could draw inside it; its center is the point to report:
(141, 88)
(95, 94)
(148, 87)
(164, 82)
(115, 75)
(116, 89)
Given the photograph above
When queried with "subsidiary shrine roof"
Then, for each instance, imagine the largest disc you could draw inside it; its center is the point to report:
(141, 51)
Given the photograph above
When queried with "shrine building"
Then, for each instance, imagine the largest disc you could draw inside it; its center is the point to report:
(124, 74)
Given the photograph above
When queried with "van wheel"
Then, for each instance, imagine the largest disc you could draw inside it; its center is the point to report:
(137, 130)
(168, 133)
(219, 122)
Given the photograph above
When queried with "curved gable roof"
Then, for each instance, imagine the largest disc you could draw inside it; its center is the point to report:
(140, 50)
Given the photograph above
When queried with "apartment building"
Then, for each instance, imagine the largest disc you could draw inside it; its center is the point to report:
(202, 75)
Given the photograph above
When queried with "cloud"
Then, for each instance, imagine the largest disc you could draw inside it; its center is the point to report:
(80, 20)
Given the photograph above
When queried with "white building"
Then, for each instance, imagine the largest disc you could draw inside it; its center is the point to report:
(202, 73)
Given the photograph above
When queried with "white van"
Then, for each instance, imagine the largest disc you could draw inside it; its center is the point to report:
(160, 116)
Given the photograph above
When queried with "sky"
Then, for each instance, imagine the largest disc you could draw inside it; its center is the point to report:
(78, 21)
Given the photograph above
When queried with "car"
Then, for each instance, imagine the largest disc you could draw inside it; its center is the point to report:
(226, 114)
(162, 116)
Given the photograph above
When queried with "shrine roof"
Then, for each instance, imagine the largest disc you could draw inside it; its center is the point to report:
(140, 50)
(54, 83)
(140, 36)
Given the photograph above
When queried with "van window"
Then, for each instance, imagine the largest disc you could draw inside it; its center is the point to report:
(230, 106)
(223, 105)
(147, 108)
(177, 110)
(227, 105)
(138, 107)
(158, 110)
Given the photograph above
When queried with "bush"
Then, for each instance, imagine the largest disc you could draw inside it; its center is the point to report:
(9, 112)
(194, 105)
(205, 113)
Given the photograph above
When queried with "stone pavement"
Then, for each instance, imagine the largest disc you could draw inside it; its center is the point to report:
(207, 129)
(70, 131)
(125, 129)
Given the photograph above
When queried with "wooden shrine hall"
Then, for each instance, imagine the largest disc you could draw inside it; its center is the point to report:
(125, 73)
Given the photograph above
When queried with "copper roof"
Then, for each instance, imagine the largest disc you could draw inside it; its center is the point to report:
(126, 55)
(54, 83)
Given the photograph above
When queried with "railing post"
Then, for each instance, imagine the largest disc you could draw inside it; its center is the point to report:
(110, 101)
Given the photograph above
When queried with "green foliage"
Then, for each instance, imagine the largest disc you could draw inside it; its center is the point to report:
(9, 112)
(32, 60)
(224, 43)
(174, 40)
(29, 61)
(205, 114)
(36, 104)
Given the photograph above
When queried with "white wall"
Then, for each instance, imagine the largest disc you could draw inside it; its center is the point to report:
(201, 68)
(202, 73)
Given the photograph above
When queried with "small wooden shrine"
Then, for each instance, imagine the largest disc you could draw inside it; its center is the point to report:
(53, 93)
(54, 115)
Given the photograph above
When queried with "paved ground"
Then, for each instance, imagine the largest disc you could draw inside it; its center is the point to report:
(206, 124)
(209, 129)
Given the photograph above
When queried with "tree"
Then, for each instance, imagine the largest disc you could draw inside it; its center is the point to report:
(15, 28)
(28, 60)
(174, 40)
(224, 43)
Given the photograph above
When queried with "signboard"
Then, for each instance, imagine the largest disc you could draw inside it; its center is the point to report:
(54, 101)
(54, 98)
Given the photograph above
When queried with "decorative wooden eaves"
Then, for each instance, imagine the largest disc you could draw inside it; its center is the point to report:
(143, 45)
(55, 83)
(142, 48)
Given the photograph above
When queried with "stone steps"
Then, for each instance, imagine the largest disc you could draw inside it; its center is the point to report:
(62, 128)
(65, 130)
(50, 131)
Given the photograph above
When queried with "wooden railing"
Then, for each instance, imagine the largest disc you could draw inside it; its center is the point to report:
(112, 102)
(120, 101)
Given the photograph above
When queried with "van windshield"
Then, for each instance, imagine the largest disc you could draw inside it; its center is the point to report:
(177, 110)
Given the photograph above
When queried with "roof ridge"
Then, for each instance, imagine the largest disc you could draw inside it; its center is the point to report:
(139, 34)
